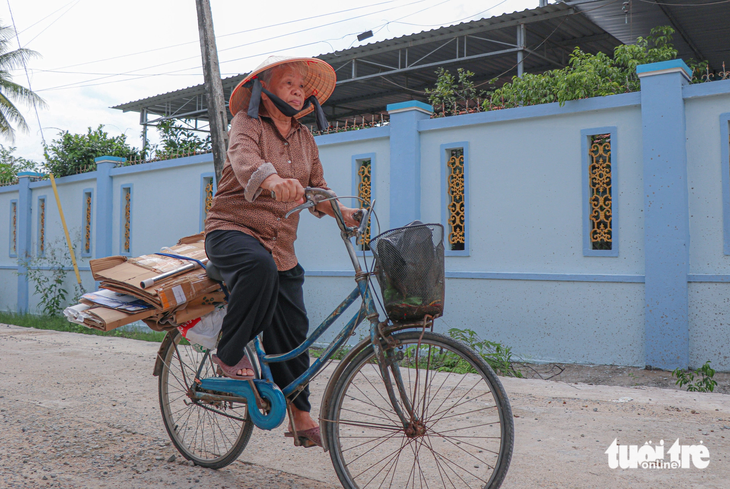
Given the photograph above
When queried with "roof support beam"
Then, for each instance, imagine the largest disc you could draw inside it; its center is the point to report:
(438, 63)
(681, 32)
(479, 27)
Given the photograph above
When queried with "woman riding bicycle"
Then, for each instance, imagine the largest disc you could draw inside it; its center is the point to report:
(271, 158)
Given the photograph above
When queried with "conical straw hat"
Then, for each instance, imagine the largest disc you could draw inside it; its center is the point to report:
(320, 82)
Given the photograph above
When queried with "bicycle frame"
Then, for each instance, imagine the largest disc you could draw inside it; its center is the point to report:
(367, 310)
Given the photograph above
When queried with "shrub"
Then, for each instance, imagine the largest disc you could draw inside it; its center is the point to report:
(75, 153)
(587, 75)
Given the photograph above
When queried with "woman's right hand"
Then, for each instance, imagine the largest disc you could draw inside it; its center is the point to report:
(285, 189)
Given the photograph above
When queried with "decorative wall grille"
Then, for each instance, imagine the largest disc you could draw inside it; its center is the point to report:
(14, 228)
(87, 223)
(127, 215)
(41, 226)
(599, 181)
(208, 200)
(364, 191)
(455, 191)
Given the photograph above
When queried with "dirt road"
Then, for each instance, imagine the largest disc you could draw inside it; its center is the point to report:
(81, 411)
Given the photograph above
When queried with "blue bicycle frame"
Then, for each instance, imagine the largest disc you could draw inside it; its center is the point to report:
(264, 389)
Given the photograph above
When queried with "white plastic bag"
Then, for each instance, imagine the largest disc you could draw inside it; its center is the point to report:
(204, 330)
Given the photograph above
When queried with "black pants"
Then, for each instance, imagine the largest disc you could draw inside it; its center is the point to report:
(261, 299)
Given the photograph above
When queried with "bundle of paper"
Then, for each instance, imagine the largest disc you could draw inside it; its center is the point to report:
(103, 318)
(162, 290)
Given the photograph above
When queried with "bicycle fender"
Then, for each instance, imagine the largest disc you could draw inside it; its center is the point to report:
(169, 338)
(267, 390)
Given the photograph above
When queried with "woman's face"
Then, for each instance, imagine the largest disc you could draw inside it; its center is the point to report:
(288, 85)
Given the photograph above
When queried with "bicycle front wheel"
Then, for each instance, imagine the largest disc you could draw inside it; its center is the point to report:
(458, 430)
(211, 433)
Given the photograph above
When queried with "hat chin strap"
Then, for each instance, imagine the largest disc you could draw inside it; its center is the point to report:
(284, 108)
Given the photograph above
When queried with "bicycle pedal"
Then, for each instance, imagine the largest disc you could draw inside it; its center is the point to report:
(306, 442)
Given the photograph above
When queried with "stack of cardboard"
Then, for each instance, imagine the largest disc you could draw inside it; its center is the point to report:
(162, 306)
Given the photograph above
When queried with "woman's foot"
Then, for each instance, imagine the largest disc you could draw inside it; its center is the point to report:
(243, 370)
(307, 429)
(302, 419)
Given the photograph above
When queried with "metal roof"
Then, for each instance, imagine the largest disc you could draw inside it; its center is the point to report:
(702, 26)
(395, 70)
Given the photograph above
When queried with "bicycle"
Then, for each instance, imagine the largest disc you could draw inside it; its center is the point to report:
(394, 413)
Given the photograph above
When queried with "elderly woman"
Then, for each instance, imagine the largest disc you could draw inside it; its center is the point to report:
(271, 158)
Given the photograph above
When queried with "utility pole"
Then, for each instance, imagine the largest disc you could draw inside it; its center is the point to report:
(217, 116)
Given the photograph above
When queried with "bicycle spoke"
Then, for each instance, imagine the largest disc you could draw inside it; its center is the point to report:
(468, 412)
(478, 447)
(393, 460)
(382, 439)
(451, 464)
(438, 465)
(378, 462)
(463, 450)
(367, 414)
(458, 403)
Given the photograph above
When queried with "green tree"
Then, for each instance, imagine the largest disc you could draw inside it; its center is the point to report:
(177, 139)
(587, 75)
(443, 95)
(74, 153)
(10, 92)
(11, 165)
(452, 92)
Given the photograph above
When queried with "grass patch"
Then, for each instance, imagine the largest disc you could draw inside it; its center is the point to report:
(316, 352)
(58, 323)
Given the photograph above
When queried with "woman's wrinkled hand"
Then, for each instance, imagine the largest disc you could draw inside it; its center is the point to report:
(285, 189)
(349, 215)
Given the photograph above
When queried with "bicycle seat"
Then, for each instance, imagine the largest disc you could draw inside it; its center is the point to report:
(212, 272)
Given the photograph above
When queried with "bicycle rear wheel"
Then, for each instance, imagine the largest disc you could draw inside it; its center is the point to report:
(459, 432)
(210, 433)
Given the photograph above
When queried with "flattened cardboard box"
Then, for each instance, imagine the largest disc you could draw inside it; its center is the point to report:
(122, 274)
(105, 319)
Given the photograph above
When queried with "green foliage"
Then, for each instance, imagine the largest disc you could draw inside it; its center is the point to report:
(450, 91)
(703, 383)
(75, 153)
(11, 165)
(587, 75)
(495, 354)
(176, 139)
(59, 323)
(48, 275)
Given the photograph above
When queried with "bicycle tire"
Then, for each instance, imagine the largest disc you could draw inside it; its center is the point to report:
(467, 431)
(211, 434)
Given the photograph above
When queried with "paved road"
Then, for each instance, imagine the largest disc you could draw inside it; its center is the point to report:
(81, 411)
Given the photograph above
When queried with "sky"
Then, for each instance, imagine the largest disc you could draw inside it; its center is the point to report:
(95, 54)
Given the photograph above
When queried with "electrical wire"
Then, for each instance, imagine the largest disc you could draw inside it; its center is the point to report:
(453, 21)
(223, 35)
(27, 76)
(49, 25)
(44, 18)
(86, 83)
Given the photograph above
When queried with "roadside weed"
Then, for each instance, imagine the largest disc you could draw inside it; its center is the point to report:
(704, 383)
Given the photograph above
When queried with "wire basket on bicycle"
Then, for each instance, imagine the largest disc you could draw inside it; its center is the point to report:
(410, 270)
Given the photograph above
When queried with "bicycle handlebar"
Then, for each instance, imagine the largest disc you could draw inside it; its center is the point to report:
(314, 196)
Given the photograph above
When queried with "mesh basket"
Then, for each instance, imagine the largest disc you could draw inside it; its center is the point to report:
(411, 270)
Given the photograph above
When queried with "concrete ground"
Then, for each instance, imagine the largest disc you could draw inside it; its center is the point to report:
(80, 411)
